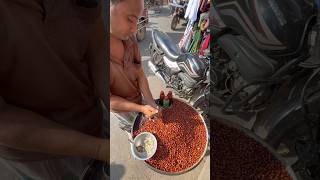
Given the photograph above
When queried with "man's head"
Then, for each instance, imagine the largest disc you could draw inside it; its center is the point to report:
(124, 15)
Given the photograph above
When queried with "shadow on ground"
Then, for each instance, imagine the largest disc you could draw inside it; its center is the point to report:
(117, 171)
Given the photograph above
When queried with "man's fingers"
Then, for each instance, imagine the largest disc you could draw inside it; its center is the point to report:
(152, 109)
(155, 111)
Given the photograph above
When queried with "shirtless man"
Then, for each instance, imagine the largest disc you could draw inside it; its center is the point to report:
(129, 89)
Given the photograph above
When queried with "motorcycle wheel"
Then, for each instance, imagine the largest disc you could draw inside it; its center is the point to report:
(174, 22)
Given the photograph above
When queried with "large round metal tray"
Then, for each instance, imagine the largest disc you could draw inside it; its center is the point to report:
(137, 123)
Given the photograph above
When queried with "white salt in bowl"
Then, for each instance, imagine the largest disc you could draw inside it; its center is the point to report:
(148, 141)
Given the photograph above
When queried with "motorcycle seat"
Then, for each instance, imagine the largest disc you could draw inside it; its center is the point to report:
(164, 42)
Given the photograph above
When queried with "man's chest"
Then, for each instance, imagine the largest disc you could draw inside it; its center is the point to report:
(117, 51)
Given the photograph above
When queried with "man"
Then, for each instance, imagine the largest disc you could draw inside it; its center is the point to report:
(51, 59)
(128, 82)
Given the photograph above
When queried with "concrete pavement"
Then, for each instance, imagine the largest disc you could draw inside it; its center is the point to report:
(123, 166)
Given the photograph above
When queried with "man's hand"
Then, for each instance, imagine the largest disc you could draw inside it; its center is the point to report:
(149, 111)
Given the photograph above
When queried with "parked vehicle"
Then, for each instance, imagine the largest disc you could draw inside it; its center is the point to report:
(185, 73)
(265, 74)
(178, 8)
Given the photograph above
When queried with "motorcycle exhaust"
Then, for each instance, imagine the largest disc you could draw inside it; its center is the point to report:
(156, 71)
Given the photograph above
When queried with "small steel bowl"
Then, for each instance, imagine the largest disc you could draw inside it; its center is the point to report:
(139, 140)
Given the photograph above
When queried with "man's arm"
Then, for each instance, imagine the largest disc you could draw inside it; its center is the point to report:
(119, 104)
(25, 130)
(145, 89)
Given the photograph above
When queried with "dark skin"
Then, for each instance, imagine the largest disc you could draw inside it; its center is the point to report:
(123, 23)
(124, 17)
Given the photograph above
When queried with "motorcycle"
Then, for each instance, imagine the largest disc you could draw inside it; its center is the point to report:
(265, 76)
(185, 73)
(178, 9)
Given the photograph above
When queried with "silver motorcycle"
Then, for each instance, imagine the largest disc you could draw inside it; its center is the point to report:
(185, 73)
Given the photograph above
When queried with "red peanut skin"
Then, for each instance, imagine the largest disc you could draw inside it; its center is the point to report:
(181, 137)
(236, 156)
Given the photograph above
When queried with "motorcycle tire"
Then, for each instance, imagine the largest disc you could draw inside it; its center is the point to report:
(174, 22)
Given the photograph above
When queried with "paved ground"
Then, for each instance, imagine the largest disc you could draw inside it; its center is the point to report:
(123, 166)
